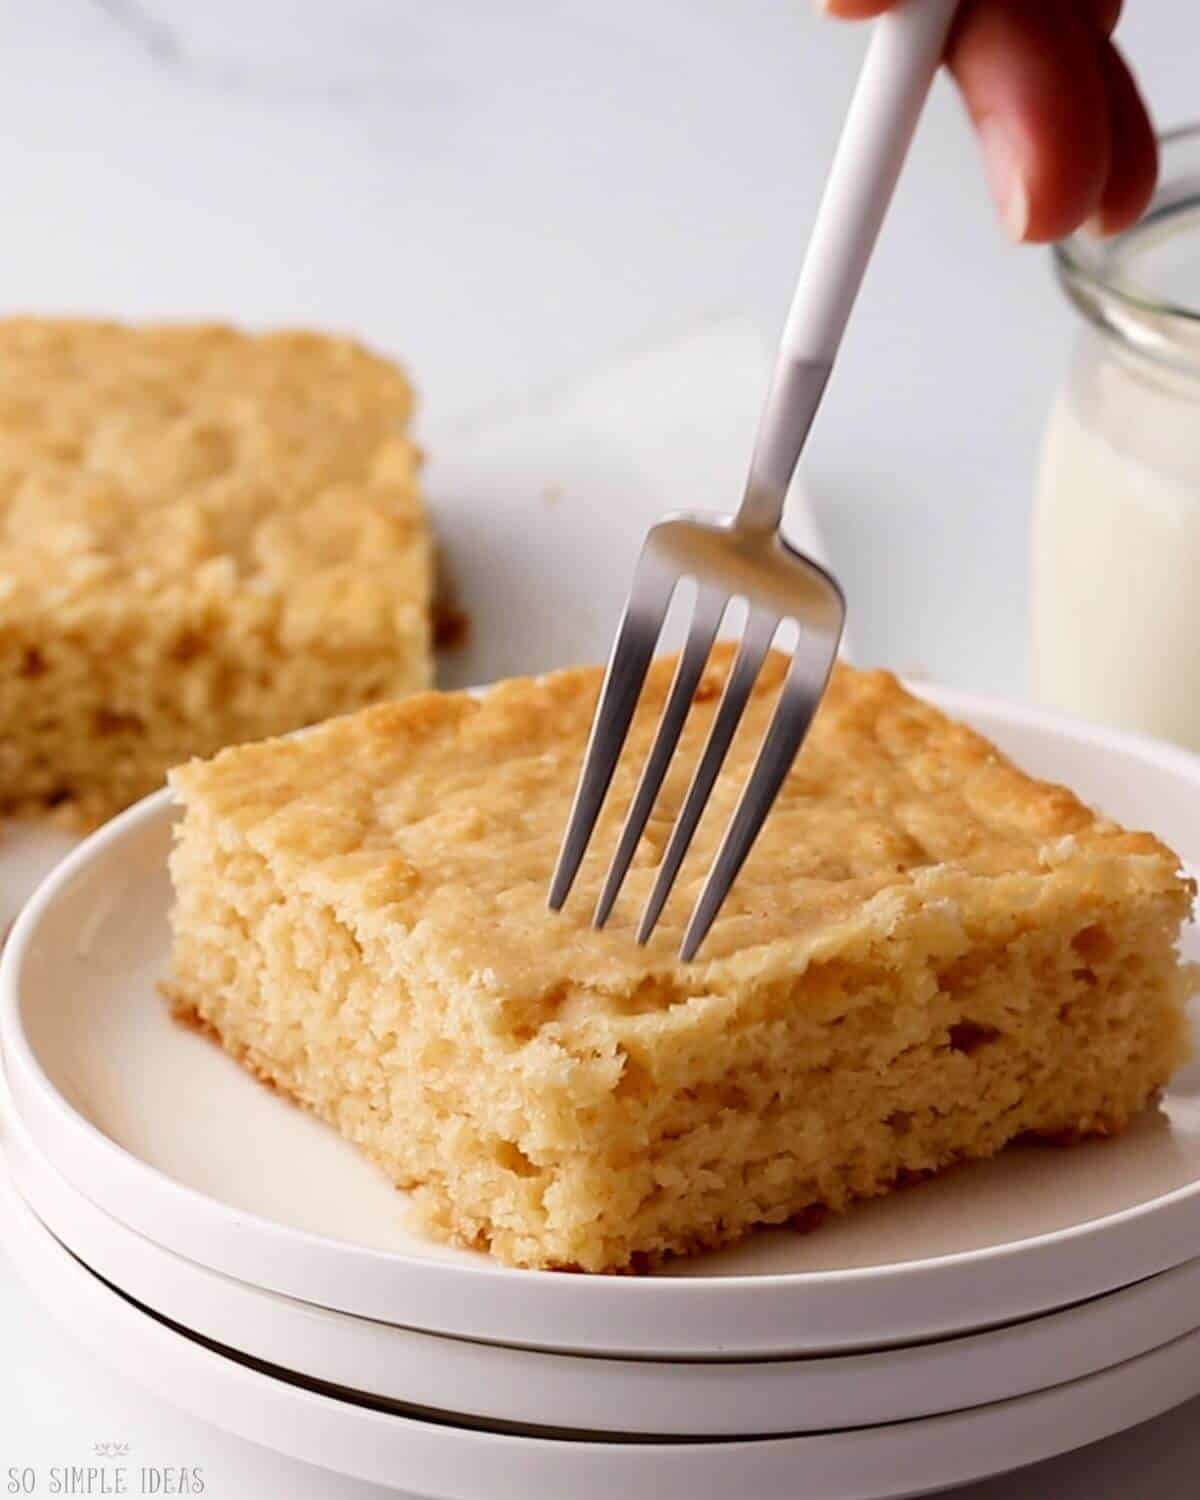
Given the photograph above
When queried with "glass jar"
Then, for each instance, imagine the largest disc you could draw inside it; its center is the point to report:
(1116, 585)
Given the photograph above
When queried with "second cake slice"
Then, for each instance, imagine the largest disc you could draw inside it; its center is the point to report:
(206, 536)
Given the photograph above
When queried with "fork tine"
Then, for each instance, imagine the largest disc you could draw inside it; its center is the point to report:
(794, 713)
(760, 630)
(710, 607)
(632, 654)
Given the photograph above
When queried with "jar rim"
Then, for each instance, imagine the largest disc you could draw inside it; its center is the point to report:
(1092, 270)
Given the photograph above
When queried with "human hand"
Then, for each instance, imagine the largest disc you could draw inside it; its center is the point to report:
(1065, 134)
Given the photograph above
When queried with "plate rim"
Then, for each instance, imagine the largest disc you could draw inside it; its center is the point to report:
(459, 1377)
(51, 1118)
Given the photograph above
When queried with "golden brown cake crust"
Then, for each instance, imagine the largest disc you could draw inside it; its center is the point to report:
(187, 513)
(137, 456)
(445, 812)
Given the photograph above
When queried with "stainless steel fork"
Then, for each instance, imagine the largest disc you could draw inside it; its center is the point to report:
(744, 556)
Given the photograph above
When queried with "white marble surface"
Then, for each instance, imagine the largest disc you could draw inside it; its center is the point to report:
(508, 195)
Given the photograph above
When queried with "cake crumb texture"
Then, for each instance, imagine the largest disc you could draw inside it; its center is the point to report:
(206, 536)
(929, 953)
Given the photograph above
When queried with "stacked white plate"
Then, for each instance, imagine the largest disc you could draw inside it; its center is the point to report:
(217, 1242)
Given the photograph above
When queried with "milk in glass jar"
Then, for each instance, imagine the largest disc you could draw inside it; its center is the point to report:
(1117, 521)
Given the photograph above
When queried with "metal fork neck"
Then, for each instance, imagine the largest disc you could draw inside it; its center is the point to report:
(796, 390)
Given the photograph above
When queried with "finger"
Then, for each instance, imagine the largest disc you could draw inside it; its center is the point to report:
(1133, 166)
(1103, 14)
(856, 10)
(1031, 76)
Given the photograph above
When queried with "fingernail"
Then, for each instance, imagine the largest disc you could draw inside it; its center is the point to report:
(1005, 177)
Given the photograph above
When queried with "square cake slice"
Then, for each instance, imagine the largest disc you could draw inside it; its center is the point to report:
(205, 537)
(927, 955)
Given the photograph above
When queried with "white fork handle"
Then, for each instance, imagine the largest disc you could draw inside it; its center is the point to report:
(901, 61)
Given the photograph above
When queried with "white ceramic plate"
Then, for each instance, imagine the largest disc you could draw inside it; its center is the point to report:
(28, 852)
(162, 1130)
(599, 1395)
(449, 1462)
